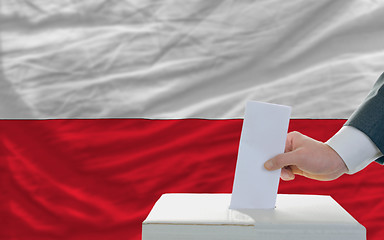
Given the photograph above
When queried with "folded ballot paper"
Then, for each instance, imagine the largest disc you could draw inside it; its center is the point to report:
(254, 210)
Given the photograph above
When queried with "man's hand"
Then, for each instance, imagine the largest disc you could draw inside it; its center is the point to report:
(307, 157)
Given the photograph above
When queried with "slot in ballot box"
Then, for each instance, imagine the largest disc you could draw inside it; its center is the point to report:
(208, 217)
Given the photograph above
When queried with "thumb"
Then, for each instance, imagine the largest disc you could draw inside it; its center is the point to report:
(282, 160)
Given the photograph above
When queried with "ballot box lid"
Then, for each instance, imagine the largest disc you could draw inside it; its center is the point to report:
(213, 209)
(208, 217)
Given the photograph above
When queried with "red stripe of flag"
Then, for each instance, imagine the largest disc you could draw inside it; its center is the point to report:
(98, 179)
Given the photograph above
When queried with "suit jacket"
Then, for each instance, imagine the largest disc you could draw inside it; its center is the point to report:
(369, 117)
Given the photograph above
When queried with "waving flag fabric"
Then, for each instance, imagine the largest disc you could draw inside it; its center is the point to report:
(106, 105)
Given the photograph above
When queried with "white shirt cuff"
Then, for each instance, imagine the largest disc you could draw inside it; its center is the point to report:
(354, 147)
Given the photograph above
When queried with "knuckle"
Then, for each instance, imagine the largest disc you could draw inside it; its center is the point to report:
(295, 134)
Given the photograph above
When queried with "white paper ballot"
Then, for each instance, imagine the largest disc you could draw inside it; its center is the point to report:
(263, 136)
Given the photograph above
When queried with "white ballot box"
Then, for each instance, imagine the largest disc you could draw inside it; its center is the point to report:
(208, 217)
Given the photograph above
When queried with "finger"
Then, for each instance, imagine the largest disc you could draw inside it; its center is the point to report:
(287, 174)
(288, 144)
(289, 141)
(282, 160)
(296, 170)
(291, 138)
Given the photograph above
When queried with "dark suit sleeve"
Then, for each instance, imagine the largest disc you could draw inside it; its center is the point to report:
(369, 117)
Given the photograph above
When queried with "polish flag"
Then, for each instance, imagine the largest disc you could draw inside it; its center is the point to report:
(106, 105)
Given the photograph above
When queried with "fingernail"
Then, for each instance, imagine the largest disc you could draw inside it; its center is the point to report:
(284, 176)
(268, 165)
(287, 176)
